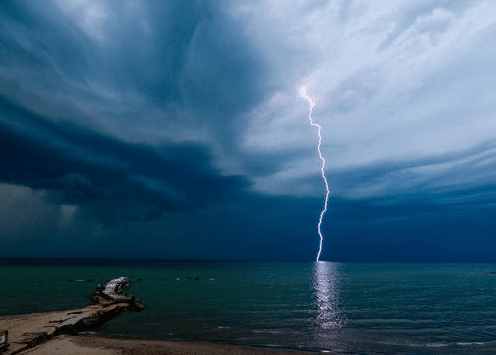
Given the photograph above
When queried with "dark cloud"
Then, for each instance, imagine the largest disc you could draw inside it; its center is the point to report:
(183, 58)
(123, 121)
(70, 104)
(447, 226)
(81, 167)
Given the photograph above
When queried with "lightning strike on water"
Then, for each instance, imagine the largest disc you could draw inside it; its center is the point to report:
(311, 105)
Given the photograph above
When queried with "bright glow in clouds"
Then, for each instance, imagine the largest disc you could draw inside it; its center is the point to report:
(311, 105)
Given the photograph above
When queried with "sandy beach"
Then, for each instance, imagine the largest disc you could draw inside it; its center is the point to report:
(20, 326)
(65, 332)
(93, 345)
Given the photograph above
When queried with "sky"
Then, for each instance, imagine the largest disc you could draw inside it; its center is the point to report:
(174, 129)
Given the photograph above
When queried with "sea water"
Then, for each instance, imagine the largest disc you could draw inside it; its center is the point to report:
(342, 307)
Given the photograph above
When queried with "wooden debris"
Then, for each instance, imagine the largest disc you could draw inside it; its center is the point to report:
(4, 339)
(28, 331)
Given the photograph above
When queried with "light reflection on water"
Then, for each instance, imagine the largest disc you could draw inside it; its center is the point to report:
(340, 307)
(326, 288)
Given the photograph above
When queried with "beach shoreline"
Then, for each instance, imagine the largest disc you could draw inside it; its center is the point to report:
(51, 343)
(98, 345)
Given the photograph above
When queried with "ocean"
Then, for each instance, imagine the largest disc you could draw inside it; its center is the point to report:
(346, 308)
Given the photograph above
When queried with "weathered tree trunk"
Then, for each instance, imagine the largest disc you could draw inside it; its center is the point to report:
(109, 301)
(4, 339)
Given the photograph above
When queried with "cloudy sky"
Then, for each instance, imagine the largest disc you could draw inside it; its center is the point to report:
(174, 129)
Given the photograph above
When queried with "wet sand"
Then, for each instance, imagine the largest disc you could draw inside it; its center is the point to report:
(93, 345)
(22, 326)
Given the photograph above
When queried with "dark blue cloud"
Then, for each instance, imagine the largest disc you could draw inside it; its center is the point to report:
(85, 168)
(131, 128)
(418, 227)
(187, 57)
(186, 54)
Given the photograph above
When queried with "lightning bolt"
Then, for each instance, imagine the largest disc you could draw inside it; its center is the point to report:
(311, 105)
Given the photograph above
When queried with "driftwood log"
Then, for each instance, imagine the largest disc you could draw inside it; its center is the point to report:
(4, 339)
(27, 331)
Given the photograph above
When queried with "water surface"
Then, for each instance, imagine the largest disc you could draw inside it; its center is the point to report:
(346, 308)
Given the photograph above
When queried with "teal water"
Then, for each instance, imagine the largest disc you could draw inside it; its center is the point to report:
(346, 308)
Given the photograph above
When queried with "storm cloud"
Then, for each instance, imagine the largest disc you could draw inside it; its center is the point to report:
(83, 168)
(180, 121)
